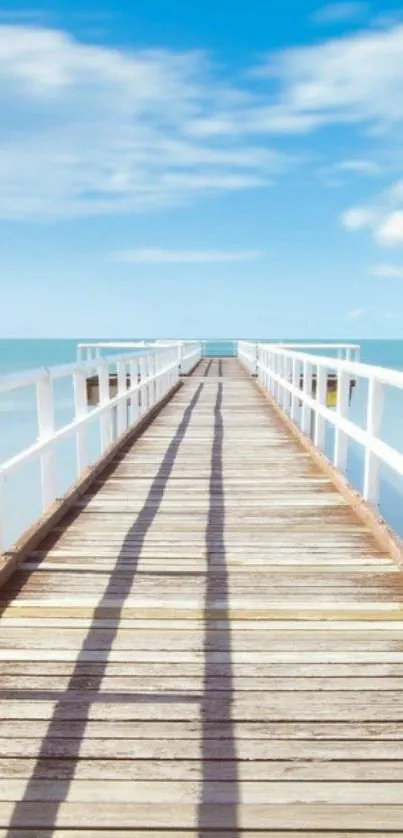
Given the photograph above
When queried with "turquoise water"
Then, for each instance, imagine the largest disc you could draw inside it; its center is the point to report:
(18, 427)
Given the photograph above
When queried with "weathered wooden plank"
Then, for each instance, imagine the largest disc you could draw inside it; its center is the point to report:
(97, 639)
(173, 833)
(196, 669)
(10, 685)
(212, 816)
(247, 749)
(227, 658)
(214, 596)
(186, 770)
(232, 791)
(211, 730)
(280, 706)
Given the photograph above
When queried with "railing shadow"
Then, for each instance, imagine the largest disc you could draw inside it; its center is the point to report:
(138, 533)
(217, 709)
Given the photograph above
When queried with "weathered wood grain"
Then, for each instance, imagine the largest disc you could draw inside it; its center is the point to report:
(210, 643)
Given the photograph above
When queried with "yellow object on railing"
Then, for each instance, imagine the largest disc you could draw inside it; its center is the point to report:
(331, 398)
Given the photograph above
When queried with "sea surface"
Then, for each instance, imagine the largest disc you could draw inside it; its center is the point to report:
(18, 424)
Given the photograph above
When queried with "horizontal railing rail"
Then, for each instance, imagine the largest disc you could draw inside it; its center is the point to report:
(298, 382)
(343, 351)
(142, 379)
(248, 351)
(189, 352)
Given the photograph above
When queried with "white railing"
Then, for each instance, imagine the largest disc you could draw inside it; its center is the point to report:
(93, 349)
(189, 352)
(288, 375)
(343, 351)
(247, 352)
(143, 379)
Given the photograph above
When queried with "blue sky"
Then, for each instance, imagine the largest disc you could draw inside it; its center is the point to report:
(201, 169)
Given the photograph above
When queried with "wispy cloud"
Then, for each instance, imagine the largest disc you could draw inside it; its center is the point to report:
(357, 218)
(325, 84)
(390, 231)
(393, 271)
(157, 255)
(339, 13)
(360, 167)
(97, 130)
(356, 313)
(337, 174)
(383, 216)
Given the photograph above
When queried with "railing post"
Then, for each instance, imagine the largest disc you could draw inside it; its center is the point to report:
(320, 421)
(122, 404)
(288, 377)
(81, 410)
(46, 427)
(134, 398)
(2, 533)
(262, 367)
(341, 438)
(371, 462)
(156, 387)
(307, 389)
(295, 383)
(104, 399)
(272, 368)
(280, 372)
(144, 386)
(276, 386)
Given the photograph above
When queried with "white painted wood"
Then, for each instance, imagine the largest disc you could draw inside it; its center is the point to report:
(341, 438)
(80, 411)
(248, 353)
(134, 401)
(376, 450)
(289, 376)
(104, 398)
(2, 495)
(159, 369)
(46, 424)
(122, 390)
(371, 463)
(320, 422)
(295, 384)
(307, 389)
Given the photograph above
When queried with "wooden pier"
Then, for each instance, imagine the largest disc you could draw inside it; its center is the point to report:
(209, 644)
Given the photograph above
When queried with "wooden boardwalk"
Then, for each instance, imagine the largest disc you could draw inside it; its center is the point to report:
(211, 644)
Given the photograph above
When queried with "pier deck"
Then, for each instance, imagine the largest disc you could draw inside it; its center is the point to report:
(210, 643)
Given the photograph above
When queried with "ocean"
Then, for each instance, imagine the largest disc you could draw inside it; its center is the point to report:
(18, 426)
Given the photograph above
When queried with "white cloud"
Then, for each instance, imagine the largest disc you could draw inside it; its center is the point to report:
(95, 130)
(360, 167)
(390, 232)
(156, 255)
(356, 313)
(349, 80)
(393, 271)
(339, 13)
(383, 216)
(356, 218)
